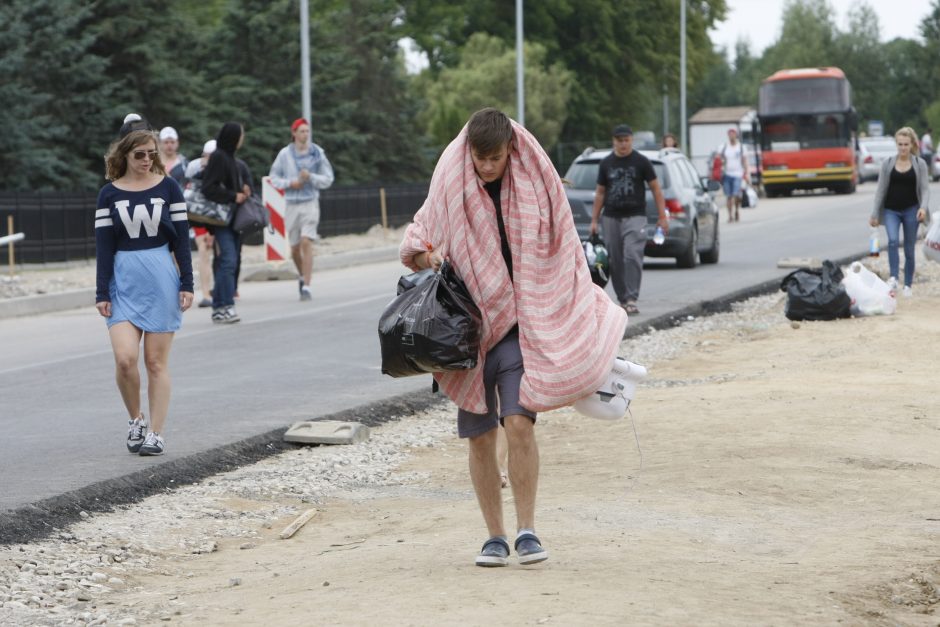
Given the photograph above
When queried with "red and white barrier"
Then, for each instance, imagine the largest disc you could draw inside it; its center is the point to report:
(276, 245)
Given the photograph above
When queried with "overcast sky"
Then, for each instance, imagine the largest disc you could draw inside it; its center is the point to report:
(759, 21)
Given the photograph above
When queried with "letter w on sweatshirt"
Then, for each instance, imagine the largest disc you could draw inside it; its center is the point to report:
(141, 217)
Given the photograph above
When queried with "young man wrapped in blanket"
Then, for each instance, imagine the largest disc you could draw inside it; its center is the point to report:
(497, 211)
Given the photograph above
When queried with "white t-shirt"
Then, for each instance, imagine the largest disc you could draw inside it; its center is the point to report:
(732, 156)
(926, 144)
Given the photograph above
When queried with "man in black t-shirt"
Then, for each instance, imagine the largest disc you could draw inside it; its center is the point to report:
(621, 192)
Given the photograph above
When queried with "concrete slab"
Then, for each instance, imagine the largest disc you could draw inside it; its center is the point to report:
(799, 262)
(327, 432)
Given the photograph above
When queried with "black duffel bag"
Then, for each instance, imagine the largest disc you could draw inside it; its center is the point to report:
(433, 325)
(816, 294)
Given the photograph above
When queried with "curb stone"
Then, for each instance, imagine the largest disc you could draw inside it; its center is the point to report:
(43, 518)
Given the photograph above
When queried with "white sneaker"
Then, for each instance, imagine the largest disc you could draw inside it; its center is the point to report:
(893, 284)
(907, 291)
(136, 430)
(153, 445)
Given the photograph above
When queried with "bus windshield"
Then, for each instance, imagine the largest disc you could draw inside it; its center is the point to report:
(805, 95)
(797, 132)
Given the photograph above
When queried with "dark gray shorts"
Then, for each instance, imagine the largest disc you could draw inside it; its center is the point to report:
(502, 374)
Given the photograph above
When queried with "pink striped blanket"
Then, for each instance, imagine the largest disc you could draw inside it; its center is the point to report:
(569, 330)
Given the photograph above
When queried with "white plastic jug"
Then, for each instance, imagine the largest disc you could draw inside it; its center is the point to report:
(870, 295)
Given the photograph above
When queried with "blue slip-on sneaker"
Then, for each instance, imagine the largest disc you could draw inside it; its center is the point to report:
(495, 552)
(530, 550)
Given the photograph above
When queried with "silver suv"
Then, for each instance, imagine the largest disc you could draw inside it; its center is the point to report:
(693, 214)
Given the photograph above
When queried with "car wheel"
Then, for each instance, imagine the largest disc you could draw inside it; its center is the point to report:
(689, 257)
(711, 255)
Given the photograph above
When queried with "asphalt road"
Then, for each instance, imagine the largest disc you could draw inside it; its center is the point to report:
(63, 422)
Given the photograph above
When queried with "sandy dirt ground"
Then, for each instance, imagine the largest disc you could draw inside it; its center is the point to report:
(788, 476)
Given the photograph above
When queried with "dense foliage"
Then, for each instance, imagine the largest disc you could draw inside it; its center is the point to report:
(71, 69)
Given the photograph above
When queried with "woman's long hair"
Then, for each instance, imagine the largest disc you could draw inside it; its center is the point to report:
(115, 161)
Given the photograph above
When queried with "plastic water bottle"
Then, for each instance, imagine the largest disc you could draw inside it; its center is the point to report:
(659, 237)
(874, 250)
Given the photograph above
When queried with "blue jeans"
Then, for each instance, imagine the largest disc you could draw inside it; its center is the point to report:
(223, 267)
(893, 221)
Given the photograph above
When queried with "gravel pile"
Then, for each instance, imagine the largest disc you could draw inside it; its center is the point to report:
(67, 579)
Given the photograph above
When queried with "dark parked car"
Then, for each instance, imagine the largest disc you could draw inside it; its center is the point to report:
(693, 215)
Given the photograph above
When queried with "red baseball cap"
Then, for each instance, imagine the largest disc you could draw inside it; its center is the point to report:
(298, 122)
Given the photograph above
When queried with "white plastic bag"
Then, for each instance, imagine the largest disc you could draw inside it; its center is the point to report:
(870, 295)
(751, 194)
(932, 240)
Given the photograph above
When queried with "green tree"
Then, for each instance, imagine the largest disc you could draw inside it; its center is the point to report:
(151, 67)
(58, 109)
(619, 53)
(363, 115)
(486, 76)
(861, 57)
(807, 37)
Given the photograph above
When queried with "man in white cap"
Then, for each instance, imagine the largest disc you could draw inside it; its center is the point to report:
(173, 161)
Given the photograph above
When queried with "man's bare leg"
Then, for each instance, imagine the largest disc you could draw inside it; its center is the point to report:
(484, 473)
(523, 467)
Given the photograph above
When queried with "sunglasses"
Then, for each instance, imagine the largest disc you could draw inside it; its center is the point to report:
(139, 155)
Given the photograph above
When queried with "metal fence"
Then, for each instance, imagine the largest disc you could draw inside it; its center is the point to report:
(60, 226)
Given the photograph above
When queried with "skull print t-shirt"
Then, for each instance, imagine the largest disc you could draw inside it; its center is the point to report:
(624, 180)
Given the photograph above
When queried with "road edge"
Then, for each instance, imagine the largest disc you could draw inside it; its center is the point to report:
(43, 518)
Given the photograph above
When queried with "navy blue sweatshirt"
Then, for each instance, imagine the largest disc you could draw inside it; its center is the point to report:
(139, 221)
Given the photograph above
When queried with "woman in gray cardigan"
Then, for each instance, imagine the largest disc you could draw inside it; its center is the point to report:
(902, 198)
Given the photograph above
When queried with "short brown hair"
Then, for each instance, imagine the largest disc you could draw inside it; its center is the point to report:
(488, 131)
(115, 161)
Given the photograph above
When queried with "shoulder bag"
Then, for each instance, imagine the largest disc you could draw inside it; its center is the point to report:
(251, 216)
(201, 210)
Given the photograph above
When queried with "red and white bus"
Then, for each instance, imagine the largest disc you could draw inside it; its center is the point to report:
(807, 131)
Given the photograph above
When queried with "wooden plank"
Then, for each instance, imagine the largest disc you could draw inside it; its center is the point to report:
(299, 522)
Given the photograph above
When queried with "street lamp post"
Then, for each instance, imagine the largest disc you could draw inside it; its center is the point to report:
(520, 82)
(682, 113)
(305, 58)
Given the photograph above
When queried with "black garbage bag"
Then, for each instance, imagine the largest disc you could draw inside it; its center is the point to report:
(816, 294)
(432, 326)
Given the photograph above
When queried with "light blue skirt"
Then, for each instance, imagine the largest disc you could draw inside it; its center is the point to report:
(145, 290)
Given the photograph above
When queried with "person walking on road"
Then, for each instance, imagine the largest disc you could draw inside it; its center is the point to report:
(622, 178)
(926, 148)
(140, 226)
(734, 173)
(302, 170)
(496, 210)
(221, 182)
(204, 239)
(173, 162)
(902, 198)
